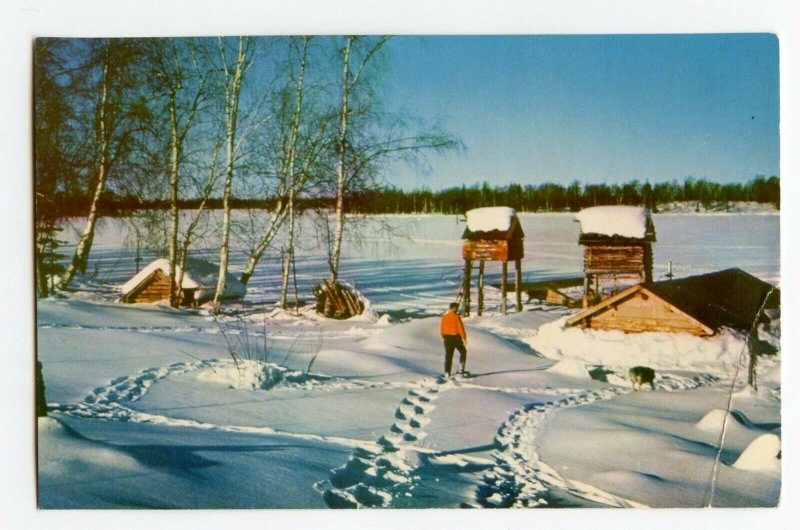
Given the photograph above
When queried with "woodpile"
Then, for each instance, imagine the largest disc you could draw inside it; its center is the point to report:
(337, 300)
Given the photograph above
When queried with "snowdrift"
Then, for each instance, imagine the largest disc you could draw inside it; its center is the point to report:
(718, 354)
(762, 455)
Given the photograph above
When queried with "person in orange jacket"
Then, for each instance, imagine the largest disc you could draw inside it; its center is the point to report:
(455, 338)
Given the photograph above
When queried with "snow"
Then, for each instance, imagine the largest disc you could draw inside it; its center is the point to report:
(761, 455)
(149, 409)
(625, 221)
(720, 353)
(490, 218)
(570, 368)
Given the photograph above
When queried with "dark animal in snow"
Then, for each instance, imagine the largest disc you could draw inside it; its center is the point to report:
(640, 375)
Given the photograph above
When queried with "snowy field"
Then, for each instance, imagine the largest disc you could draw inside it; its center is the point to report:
(150, 410)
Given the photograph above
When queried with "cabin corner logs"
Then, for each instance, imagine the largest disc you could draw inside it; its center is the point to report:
(492, 234)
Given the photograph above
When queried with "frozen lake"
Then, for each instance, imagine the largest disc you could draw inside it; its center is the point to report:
(412, 263)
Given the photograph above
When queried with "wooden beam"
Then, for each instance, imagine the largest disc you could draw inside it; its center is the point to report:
(467, 285)
(504, 289)
(586, 291)
(481, 270)
(518, 283)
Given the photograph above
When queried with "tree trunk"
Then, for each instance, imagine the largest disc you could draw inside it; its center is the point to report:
(232, 87)
(174, 287)
(293, 136)
(270, 232)
(336, 249)
(81, 256)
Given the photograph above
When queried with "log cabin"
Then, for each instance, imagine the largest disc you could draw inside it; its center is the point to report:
(199, 284)
(618, 248)
(492, 234)
(700, 305)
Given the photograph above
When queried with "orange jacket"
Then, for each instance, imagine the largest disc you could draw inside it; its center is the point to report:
(452, 325)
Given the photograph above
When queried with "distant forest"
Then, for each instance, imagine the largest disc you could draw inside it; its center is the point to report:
(547, 197)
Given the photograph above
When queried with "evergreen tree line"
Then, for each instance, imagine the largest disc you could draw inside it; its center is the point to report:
(547, 197)
(550, 197)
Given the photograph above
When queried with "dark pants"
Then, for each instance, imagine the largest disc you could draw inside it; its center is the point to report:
(452, 343)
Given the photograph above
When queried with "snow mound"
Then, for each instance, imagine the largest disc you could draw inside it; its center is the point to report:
(625, 221)
(570, 368)
(762, 455)
(492, 218)
(65, 454)
(714, 420)
(659, 350)
(368, 314)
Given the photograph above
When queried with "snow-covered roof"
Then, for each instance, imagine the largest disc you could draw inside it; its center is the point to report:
(491, 218)
(199, 275)
(623, 221)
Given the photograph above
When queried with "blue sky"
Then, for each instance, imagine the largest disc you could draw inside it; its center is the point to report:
(600, 108)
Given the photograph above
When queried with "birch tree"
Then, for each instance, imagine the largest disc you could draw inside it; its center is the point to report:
(292, 149)
(233, 70)
(368, 138)
(291, 177)
(177, 77)
(114, 114)
(54, 150)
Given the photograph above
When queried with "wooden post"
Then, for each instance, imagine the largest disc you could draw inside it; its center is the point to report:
(481, 269)
(518, 283)
(504, 289)
(586, 281)
(467, 285)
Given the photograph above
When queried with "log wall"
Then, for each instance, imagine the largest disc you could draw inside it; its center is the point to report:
(155, 289)
(604, 259)
(643, 312)
(493, 250)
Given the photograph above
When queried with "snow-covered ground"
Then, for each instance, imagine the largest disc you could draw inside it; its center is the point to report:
(149, 409)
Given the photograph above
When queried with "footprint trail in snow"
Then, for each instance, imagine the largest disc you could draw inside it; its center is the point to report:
(375, 478)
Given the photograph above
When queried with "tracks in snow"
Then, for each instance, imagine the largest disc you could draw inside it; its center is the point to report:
(519, 478)
(515, 476)
(381, 473)
(112, 402)
(372, 479)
